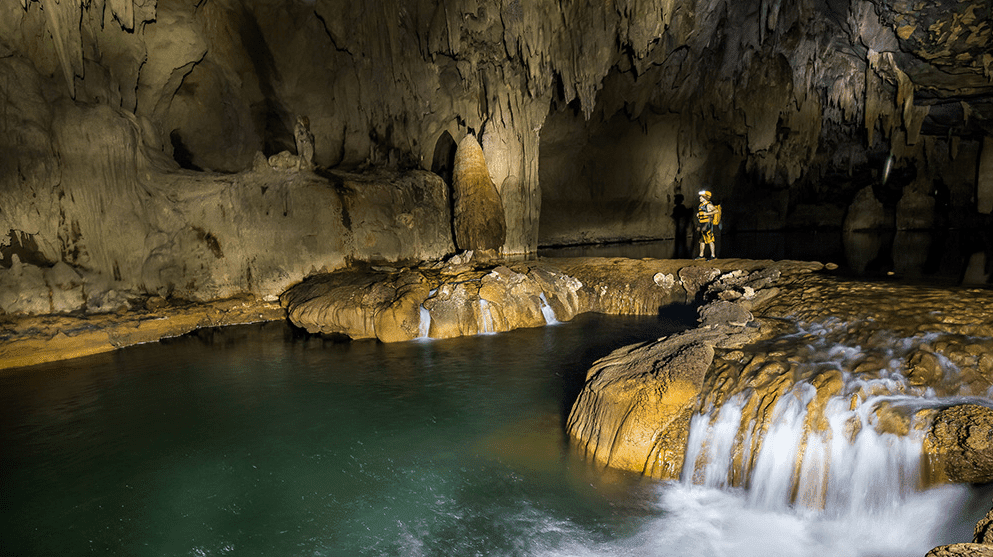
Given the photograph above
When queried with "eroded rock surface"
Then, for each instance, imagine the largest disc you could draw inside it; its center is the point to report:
(633, 412)
(461, 297)
(39, 339)
(207, 237)
(841, 357)
(959, 445)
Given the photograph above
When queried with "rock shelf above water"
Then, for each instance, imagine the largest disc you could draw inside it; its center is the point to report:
(465, 298)
(902, 361)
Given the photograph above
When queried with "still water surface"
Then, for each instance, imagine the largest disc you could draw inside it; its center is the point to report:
(250, 441)
(255, 441)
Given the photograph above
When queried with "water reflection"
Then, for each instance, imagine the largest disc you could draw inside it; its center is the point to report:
(943, 257)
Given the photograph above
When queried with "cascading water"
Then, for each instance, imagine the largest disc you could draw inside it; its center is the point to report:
(424, 326)
(547, 311)
(486, 317)
(836, 427)
(848, 468)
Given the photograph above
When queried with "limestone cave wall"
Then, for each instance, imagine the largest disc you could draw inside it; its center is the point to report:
(136, 132)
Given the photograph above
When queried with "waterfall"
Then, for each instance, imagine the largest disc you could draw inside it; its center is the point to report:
(847, 468)
(547, 311)
(486, 318)
(823, 434)
(424, 326)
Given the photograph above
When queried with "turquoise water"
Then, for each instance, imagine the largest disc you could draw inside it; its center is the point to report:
(253, 441)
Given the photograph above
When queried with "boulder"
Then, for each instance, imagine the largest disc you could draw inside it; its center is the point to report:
(66, 288)
(962, 550)
(23, 289)
(629, 415)
(959, 445)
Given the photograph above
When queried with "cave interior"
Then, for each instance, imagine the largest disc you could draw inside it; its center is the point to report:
(144, 141)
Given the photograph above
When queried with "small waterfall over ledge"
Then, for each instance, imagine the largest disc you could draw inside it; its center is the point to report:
(485, 318)
(836, 426)
(847, 468)
(547, 311)
(424, 325)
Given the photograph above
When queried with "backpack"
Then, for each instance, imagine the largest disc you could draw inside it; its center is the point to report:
(717, 216)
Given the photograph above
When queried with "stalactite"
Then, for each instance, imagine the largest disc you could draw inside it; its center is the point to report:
(873, 94)
(123, 11)
(63, 24)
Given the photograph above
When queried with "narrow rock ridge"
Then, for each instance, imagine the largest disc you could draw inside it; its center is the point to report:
(460, 298)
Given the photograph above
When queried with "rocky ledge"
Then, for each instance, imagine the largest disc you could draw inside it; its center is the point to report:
(460, 296)
(463, 296)
(763, 338)
(31, 340)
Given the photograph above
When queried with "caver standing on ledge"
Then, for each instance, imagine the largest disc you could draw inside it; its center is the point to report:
(707, 216)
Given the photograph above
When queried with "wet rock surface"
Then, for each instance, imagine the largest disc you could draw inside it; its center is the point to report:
(39, 339)
(633, 412)
(959, 444)
(890, 358)
(863, 342)
(461, 298)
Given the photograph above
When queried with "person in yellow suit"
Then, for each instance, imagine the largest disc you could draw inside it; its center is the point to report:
(705, 224)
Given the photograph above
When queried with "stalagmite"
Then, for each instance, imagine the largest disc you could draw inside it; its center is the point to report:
(480, 223)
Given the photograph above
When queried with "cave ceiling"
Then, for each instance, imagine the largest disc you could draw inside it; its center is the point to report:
(787, 84)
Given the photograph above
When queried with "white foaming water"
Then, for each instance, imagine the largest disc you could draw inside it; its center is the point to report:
(547, 311)
(424, 326)
(486, 317)
(849, 488)
(707, 522)
(834, 470)
(833, 456)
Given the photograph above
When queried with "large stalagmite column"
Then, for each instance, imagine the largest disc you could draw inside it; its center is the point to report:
(511, 142)
(480, 223)
(515, 171)
(984, 184)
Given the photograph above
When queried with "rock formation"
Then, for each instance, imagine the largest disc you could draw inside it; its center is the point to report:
(200, 238)
(864, 342)
(960, 444)
(479, 221)
(120, 115)
(634, 410)
(467, 297)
